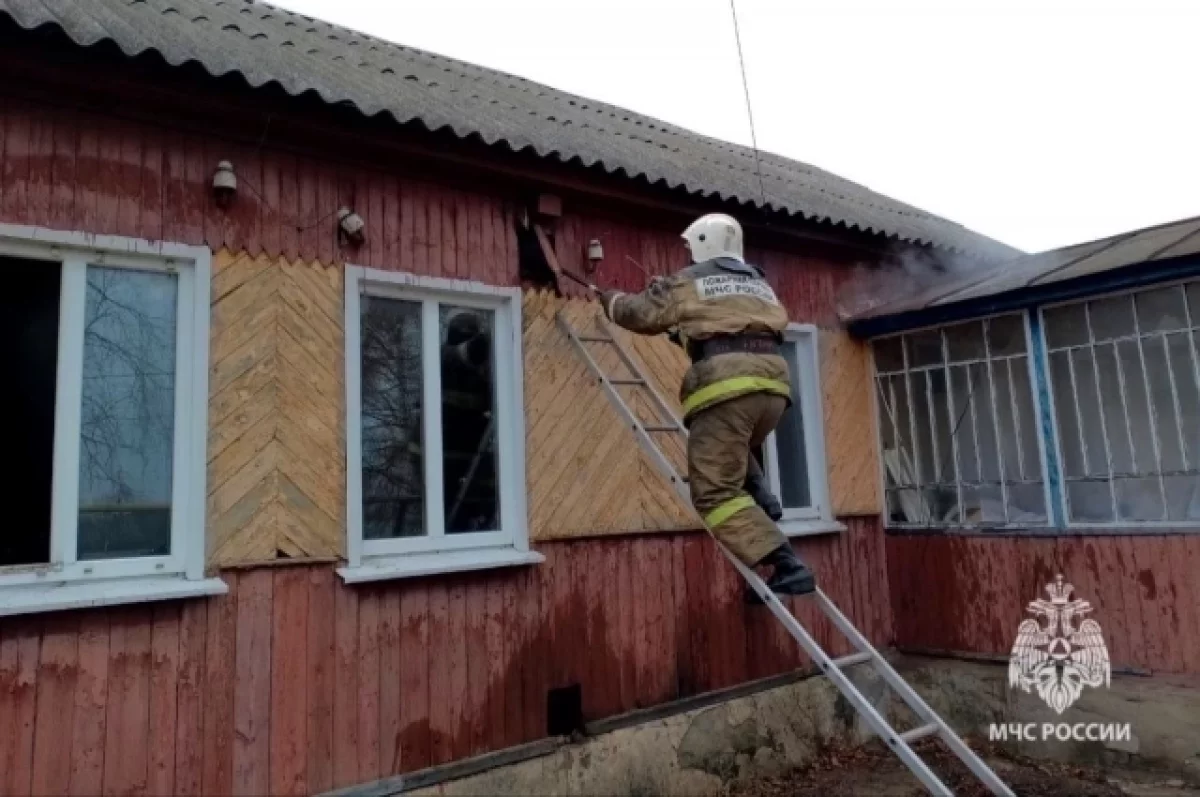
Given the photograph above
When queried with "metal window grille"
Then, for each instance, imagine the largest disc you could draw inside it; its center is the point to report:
(1125, 376)
(958, 430)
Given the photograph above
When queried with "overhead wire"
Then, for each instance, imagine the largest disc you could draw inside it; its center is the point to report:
(737, 35)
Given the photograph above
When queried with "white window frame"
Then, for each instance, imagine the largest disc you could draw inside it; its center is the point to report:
(65, 582)
(437, 552)
(805, 370)
(1140, 337)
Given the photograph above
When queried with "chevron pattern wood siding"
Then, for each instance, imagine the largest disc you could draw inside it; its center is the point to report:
(851, 448)
(586, 474)
(276, 442)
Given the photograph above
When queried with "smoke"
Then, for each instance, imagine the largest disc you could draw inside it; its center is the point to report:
(904, 272)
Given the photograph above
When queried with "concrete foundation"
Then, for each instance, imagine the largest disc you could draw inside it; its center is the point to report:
(697, 752)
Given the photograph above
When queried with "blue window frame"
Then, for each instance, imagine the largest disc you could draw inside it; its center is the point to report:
(1080, 414)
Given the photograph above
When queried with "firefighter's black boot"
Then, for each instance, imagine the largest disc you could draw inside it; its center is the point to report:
(790, 575)
(756, 486)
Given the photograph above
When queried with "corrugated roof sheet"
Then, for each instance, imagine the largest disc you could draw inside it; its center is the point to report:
(265, 45)
(1149, 245)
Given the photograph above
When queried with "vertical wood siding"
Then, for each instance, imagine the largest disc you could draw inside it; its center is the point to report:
(968, 593)
(294, 683)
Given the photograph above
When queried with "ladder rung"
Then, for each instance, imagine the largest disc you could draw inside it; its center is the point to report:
(851, 660)
(627, 381)
(661, 428)
(920, 733)
(596, 339)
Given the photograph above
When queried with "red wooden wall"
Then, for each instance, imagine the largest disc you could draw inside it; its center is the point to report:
(968, 593)
(74, 170)
(295, 683)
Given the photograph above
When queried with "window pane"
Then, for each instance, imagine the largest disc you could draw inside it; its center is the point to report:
(127, 423)
(790, 444)
(1113, 409)
(1165, 422)
(887, 430)
(1130, 362)
(1006, 335)
(1183, 497)
(889, 356)
(470, 455)
(1006, 416)
(393, 462)
(964, 422)
(1066, 326)
(1112, 317)
(1089, 410)
(989, 458)
(1026, 503)
(1193, 294)
(905, 445)
(918, 382)
(1023, 397)
(924, 348)
(1139, 499)
(1090, 502)
(965, 341)
(1184, 368)
(1065, 414)
(944, 453)
(1161, 309)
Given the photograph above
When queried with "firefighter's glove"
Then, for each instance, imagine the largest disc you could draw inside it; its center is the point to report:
(607, 299)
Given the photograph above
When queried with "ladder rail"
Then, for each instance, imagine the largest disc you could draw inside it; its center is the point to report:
(661, 406)
(930, 724)
(614, 397)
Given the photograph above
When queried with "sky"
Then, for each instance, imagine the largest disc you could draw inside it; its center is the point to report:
(1038, 122)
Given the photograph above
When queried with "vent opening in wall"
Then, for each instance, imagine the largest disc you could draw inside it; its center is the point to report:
(564, 710)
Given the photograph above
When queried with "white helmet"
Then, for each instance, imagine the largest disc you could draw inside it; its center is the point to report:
(712, 236)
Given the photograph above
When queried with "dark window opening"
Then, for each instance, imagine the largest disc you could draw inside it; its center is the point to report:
(29, 326)
(564, 710)
(531, 260)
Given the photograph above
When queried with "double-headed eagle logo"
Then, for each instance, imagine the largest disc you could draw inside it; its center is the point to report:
(1060, 657)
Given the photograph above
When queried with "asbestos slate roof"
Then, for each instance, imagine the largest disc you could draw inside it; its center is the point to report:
(1147, 246)
(266, 45)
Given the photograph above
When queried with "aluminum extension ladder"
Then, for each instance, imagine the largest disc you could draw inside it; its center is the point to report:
(899, 742)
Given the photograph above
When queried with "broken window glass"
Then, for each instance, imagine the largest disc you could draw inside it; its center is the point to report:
(962, 408)
(1130, 433)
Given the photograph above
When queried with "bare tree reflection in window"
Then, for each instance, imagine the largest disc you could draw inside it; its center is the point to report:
(128, 414)
(392, 448)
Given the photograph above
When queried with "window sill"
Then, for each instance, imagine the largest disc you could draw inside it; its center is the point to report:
(415, 565)
(810, 528)
(33, 598)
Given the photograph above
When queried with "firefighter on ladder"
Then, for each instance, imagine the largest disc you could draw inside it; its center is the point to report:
(727, 318)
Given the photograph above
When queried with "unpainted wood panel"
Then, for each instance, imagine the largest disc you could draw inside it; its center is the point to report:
(851, 447)
(276, 443)
(586, 474)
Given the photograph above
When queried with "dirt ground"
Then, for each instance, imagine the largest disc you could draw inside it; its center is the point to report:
(872, 770)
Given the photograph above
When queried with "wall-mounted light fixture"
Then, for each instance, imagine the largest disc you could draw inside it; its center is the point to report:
(595, 253)
(351, 226)
(224, 184)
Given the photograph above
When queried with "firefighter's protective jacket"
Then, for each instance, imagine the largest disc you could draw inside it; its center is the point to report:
(711, 299)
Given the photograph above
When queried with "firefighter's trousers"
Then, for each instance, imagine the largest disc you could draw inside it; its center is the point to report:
(720, 441)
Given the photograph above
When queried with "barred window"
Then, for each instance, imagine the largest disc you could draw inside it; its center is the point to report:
(958, 427)
(1125, 376)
